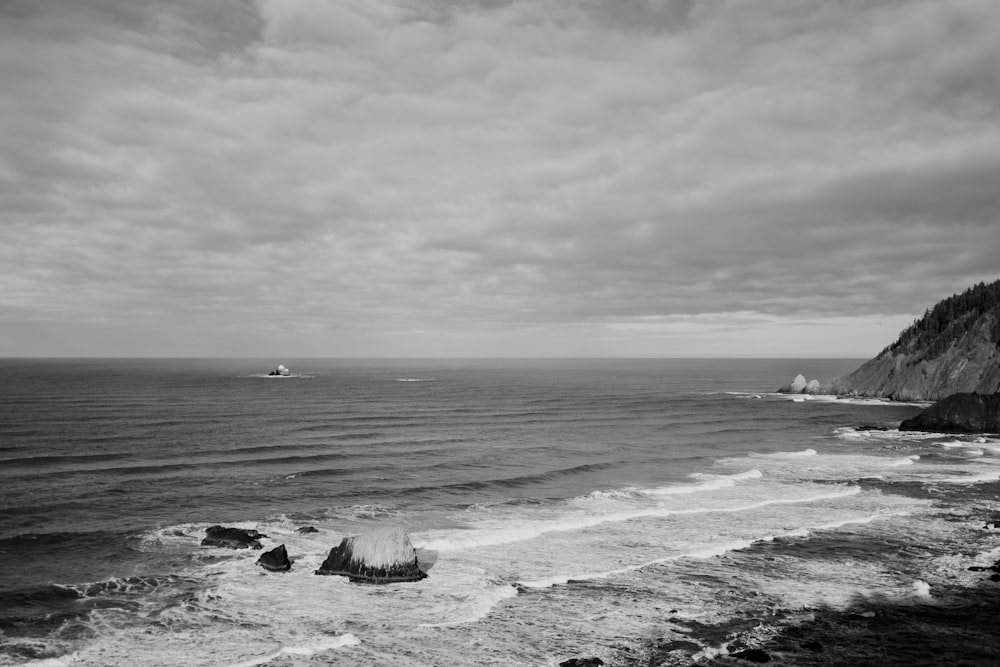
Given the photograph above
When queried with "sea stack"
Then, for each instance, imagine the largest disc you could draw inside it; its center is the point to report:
(800, 386)
(275, 560)
(382, 556)
(959, 413)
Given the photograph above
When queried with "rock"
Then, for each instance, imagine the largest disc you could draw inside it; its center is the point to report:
(275, 560)
(752, 655)
(800, 386)
(959, 413)
(813, 646)
(306, 529)
(384, 555)
(581, 662)
(233, 538)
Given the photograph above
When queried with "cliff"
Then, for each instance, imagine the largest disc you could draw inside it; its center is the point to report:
(954, 347)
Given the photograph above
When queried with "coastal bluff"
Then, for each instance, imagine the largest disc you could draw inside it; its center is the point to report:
(953, 348)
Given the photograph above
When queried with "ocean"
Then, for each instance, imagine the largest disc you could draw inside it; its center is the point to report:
(643, 512)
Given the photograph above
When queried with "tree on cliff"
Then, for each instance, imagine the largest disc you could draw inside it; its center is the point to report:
(951, 319)
(953, 348)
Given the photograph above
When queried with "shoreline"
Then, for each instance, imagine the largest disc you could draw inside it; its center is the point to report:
(949, 619)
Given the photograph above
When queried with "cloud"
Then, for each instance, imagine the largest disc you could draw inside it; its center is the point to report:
(521, 171)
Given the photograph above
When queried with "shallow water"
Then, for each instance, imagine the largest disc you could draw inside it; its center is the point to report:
(560, 508)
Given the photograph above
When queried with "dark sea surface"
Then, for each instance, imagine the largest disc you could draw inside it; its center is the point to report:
(640, 511)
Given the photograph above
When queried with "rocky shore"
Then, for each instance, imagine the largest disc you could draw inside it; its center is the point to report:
(948, 619)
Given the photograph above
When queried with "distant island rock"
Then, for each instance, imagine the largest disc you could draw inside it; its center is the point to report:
(953, 348)
(382, 556)
(959, 413)
(281, 370)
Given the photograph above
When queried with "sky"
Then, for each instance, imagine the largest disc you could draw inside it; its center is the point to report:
(492, 178)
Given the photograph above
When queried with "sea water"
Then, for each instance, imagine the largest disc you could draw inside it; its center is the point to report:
(560, 508)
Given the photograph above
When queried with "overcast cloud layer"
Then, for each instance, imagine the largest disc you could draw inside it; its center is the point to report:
(543, 177)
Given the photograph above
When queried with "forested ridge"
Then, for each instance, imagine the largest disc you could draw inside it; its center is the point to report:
(949, 320)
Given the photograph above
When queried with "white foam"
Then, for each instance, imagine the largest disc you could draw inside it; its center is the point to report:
(790, 455)
(711, 482)
(710, 653)
(889, 435)
(61, 661)
(905, 461)
(970, 479)
(326, 644)
(519, 529)
(484, 605)
(921, 589)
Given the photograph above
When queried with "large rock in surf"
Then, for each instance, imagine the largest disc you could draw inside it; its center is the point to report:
(800, 386)
(954, 348)
(959, 413)
(275, 560)
(383, 556)
(233, 538)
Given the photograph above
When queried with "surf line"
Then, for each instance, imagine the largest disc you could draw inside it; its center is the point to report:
(500, 536)
(708, 552)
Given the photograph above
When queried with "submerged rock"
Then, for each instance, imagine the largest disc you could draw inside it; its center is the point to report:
(232, 538)
(959, 413)
(382, 556)
(275, 560)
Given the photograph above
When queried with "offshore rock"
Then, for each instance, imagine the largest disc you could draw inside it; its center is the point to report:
(581, 662)
(383, 556)
(959, 413)
(800, 386)
(232, 538)
(306, 529)
(275, 560)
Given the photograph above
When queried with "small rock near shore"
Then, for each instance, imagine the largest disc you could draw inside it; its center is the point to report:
(275, 560)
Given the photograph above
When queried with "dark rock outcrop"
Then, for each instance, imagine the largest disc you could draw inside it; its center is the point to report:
(581, 662)
(275, 560)
(306, 529)
(953, 348)
(753, 655)
(382, 556)
(233, 538)
(959, 413)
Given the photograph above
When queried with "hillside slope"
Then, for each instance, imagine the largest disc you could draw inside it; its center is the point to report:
(954, 347)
